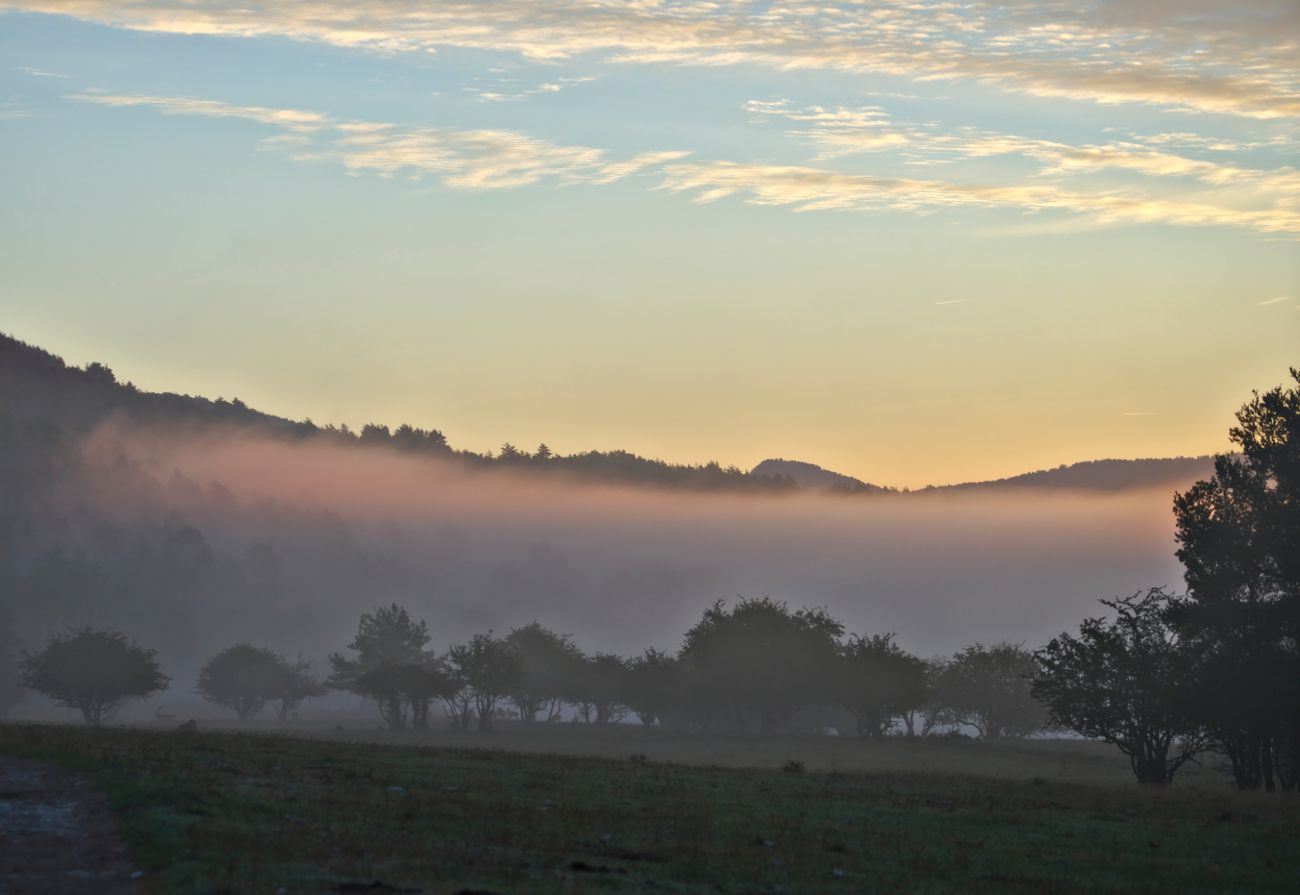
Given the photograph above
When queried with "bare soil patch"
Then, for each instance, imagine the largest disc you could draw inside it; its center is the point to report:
(57, 834)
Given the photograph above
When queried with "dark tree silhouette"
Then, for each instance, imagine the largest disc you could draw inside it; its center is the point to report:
(877, 682)
(548, 663)
(989, 689)
(243, 678)
(760, 661)
(598, 687)
(246, 678)
(387, 645)
(299, 685)
(1239, 539)
(1126, 681)
(486, 671)
(93, 671)
(650, 686)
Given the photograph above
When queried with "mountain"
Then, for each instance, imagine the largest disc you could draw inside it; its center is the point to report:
(1100, 475)
(810, 476)
(45, 404)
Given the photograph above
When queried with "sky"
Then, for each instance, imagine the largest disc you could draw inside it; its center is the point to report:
(915, 242)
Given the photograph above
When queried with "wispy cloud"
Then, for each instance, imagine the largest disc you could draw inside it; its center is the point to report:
(500, 90)
(953, 301)
(463, 159)
(1266, 199)
(1237, 58)
(485, 159)
(1274, 301)
(38, 73)
(818, 189)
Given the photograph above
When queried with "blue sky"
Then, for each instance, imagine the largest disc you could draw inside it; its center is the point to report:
(917, 242)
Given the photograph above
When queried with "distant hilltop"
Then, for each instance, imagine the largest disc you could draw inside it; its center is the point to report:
(1089, 475)
(39, 387)
(810, 476)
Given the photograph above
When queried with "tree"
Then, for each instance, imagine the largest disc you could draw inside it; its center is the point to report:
(1238, 534)
(649, 686)
(486, 670)
(598, 687)
(989, 689)
(548, 663)
(760, 660)
(1126, 681)
(299, 685)
(878, 682)
(244, 678)
(387, 642)
(93, 671)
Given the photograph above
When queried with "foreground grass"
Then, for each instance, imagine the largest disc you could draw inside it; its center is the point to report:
(231, 812)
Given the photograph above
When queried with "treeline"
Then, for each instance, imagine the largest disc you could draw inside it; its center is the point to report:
(46, 405)
(754, 667)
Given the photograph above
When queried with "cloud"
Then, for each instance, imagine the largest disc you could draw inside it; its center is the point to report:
(462, 159)
(509, 90)
(485, 159)
(1273, 301)
(1237, 58)
(38, 73)
(818, 189)
(1266, 199)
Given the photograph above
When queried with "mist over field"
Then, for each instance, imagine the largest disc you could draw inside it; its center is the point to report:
(216, 538)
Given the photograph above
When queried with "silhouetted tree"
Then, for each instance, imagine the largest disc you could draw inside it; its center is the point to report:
(244, 678)
(1126, 681)
(877, 682)
(487, 671)
(759, 660)
(649, 686)
(548, 663)
(93, 671)
(989, 688)
(598, 687)
(1239, 537)
(388, 643)
(299, 685)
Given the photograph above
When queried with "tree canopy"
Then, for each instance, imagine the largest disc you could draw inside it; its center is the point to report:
(93, 671)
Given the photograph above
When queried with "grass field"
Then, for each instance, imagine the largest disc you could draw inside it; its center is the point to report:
(240, 812)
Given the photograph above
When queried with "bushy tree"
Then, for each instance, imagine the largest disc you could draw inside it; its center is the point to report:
(299, 685)
(548, 664)
(93, 671)
(760, 661)
(1239, 539)
(392, 666)
(243, 678)
(598, 687)
(878, 682)
(485, 670)
(989, 688)
(650, 686)
(1128, 681)
(246, 678)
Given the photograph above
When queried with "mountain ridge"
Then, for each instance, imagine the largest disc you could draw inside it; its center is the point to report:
(36, 384)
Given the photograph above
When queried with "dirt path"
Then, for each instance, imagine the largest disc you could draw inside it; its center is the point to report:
(57, 834)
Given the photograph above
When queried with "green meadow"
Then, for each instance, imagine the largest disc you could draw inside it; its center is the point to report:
(230, 811)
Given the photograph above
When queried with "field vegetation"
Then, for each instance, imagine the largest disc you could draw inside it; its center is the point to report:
(241, 812)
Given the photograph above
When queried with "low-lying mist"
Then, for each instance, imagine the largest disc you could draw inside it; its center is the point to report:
(193, 542)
